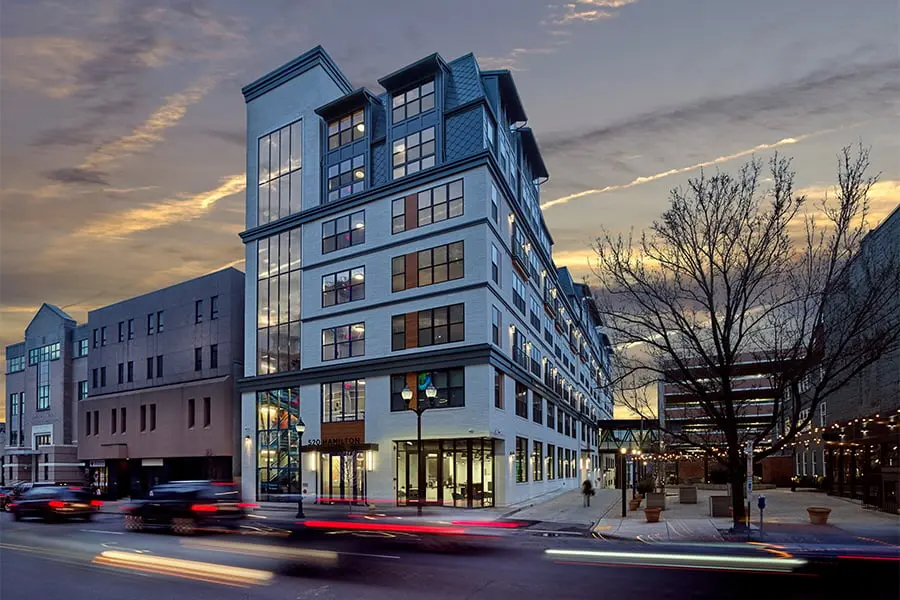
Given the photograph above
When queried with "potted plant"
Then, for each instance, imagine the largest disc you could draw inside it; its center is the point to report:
(645, 486)
(818, 515)
(634, 503)
(652, 514)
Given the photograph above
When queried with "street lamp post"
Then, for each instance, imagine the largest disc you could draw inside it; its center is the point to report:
(300, 426)
(431, 393)
(621, 457)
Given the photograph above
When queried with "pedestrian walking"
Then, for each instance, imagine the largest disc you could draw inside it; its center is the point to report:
(587, 490)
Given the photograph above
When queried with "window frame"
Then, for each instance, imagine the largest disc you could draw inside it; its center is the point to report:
(459, 320)
(521, 459)
(450, 200)
(433, 264)
(355, 346)
(335, 129)
(413, 96)
(351, 409)
(350, 287)
(423, 143)
(521, 399)
(345, 178)
(335, 234)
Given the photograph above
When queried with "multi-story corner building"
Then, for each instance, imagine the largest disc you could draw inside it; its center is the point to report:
(159, 398)
(395, 248)
(45, 376)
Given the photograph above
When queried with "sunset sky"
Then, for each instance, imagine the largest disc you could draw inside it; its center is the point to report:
(122, 121)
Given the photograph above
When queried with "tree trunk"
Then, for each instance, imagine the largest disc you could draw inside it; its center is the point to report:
(736, 472)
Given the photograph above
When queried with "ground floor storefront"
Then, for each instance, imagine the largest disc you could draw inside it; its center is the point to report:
(119, 478)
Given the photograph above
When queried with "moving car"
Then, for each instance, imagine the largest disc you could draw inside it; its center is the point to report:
(186, 506)
(55, 503)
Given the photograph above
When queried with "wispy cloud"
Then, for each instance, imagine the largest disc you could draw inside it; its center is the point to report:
(561, 16)
(184, 207)
(585, 11)
(149, 133)
(45, 64)
(708, 163)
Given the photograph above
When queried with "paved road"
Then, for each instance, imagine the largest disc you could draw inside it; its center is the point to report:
(100, 560)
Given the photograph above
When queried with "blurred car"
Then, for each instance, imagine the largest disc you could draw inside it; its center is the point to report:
(187, 506)
(19, 488)
(4, 496)
(55, 503)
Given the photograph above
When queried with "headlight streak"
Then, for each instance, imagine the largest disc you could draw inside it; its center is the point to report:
(699, 561)
(185, 569)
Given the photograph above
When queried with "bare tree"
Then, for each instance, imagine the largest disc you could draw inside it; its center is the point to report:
(734, 273)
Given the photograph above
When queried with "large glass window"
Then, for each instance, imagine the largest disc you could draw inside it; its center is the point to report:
(441, 263)
(347, 177)
(344, 286)
(17, 363)
(43, 354)
(518, 293)
(413, 102)
(538, 458)
(521, 400)
(344, 232)
(278, 303)
(442, 325)
(277, 442)
(344, 341)
(347, 129)
(432, 206)
(458, 472)
(521, 459)
(413, 153)
(537, 408)
(279, 179)
(551, 452)
(43, 397)
(344, 401)
(450, 384)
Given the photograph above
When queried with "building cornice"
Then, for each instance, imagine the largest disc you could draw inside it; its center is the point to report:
(303, 63)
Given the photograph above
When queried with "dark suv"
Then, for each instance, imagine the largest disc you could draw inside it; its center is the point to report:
(186, 506)
(55, 503)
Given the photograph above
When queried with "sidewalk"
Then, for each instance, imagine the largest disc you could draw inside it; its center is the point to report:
(785, 520)
(568, 508)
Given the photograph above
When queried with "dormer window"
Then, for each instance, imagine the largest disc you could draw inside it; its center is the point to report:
(346, 129)
(413, 153)
(346, 178)
(413, 102)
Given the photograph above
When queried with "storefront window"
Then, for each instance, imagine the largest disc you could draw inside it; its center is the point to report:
(276, 413)
(458, 473)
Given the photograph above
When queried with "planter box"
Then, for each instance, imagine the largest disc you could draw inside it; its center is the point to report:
(655, 500)
(719, 506)
(818, 515)
(652, 514)
(687, 495)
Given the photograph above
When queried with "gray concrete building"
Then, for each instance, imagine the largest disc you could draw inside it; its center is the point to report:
(161, 373)
(45, 375)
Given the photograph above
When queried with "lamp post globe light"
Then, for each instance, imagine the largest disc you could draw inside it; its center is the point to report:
(431, 393)
(300, 427)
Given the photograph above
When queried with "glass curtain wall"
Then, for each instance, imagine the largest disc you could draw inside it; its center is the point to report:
(458, 473)
(277, 448)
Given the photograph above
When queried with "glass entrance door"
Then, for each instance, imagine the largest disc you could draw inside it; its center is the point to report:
(343, 477)
(457, 472)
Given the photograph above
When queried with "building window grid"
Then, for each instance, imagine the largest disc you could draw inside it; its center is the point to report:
(17, 363)
(441, 263)
(538, 458)
(279, 168)
(344, 401)
(412, 102)
(344, 341)
(450, 384)
(346, 177)
(43, 397)
(43, 354)
(413, 153)
(344, 232)
(521, 459)
(433, 205)
(496, 326)
(344, 286)
(441, 325)
(347, 129)
(278, 303)
(521, 400)
(519, 293)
